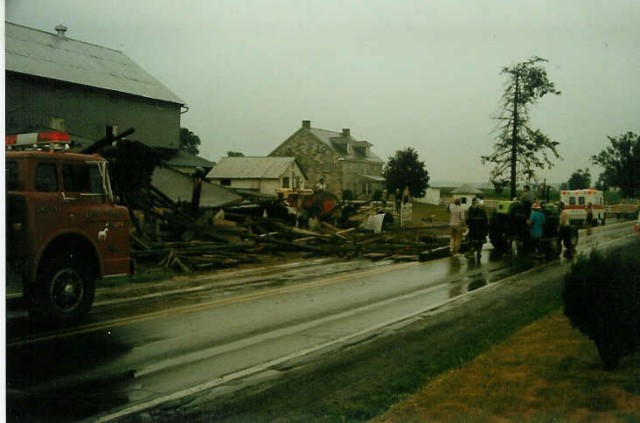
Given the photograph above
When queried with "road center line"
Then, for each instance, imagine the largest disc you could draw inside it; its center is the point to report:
(110, 324)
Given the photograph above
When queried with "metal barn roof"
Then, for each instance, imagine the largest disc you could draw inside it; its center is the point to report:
(181, 158)
(39, 53)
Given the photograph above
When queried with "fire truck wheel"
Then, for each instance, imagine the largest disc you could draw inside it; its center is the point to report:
(608, 354)
(65, 289)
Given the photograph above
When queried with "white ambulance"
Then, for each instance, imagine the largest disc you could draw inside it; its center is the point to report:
(576, 200)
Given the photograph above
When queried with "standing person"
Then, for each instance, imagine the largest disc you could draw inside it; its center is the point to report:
(536, 221)
(321, 186)
(564, 231)
(406, 195)
(456, 223)
(527, 198)
(478, 227)
(589, 217)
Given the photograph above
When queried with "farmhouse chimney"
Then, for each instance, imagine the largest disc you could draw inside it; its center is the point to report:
(346, 132)
(306, 124)
(61, 29)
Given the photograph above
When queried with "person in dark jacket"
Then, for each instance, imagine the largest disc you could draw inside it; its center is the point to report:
(478, 228)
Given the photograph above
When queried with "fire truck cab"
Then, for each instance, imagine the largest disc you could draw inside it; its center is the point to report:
(63, 229)
(576, 201)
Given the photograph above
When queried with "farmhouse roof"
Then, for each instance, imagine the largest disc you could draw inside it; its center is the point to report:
(252, 167)
(342, 143)
(338, 141)
(466, 189)
(54, 56)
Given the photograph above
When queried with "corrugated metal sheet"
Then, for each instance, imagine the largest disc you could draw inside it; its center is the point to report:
(179, 187)
(33, 52)
(252, 167)
(182, 158)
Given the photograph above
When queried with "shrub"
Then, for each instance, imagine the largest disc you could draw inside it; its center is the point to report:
(602, 299)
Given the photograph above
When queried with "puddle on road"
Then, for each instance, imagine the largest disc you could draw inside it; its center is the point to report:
(476, 274)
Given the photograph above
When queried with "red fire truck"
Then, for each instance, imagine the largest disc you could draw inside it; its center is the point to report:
(63, 228)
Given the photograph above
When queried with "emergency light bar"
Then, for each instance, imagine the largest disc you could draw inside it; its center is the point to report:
(36, 138)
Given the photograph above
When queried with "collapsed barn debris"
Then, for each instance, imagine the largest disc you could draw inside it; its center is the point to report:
(183, 223)
(247, 234)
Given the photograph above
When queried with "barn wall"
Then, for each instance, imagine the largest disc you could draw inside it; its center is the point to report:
(33, 104)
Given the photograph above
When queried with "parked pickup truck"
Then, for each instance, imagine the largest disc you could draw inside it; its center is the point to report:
(63, 231)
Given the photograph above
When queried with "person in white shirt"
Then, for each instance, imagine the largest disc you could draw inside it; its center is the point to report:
(457, 224)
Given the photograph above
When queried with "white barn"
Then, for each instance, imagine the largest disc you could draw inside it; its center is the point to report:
(258, 174)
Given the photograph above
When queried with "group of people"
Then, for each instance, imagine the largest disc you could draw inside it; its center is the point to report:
(475, 218)
(537, 221)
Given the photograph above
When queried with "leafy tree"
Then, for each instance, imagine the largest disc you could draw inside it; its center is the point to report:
(621, 164)
(405, 170)
(580, 179)
(234, 154)
(519, 149)
(189, 141)
(498, 186)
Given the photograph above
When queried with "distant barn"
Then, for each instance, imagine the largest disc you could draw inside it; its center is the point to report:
(465, 193)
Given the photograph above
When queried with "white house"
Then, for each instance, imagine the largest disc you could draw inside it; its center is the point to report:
(431, 196)
(465, 193)
(258, 174)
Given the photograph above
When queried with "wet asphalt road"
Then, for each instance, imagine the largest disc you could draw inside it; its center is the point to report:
(142, 349)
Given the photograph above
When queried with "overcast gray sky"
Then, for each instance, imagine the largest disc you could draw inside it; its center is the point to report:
(399, 73)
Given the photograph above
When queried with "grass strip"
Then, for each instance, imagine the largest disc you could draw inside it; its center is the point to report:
(546, 372)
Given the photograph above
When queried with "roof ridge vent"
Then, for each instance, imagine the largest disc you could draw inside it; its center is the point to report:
(61, 30)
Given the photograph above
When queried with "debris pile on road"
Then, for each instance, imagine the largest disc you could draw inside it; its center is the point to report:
(170, 237)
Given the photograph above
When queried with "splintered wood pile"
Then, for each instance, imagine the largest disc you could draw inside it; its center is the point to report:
(175, 240)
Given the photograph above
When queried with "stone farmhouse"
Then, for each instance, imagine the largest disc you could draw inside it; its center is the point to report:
(344, 162)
